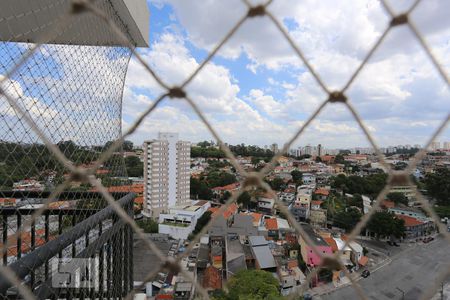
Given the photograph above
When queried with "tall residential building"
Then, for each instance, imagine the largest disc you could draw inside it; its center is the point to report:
(274, 147)
(308, 150)
(435, 146)
(166, 173)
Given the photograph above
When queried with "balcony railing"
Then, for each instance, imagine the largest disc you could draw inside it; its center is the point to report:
(95, 234)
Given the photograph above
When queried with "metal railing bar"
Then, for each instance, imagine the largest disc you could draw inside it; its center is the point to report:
(38, 257)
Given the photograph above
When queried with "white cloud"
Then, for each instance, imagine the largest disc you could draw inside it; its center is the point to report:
(213, 90)
(266, 104)
(398, 83)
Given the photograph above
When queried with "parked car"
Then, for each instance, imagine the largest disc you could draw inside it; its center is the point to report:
(396, 245)
(428, 239)
(365, 273)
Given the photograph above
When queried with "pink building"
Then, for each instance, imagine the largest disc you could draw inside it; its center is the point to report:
(308, 254)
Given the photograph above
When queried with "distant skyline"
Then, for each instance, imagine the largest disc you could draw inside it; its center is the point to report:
(258, 92)
(295, 146)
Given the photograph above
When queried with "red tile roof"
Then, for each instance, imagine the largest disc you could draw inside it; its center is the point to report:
(212, 278)
(292, 263)
(409, 221)
(229, 187)
(231, 210)
(60, 204)
(388, 204)
(323, 192)
(256, 216)
(139, 200)
(289, 190)
(271, 224)
(327, 158)
(101, 171)
(316, 202)
(332, 243)
(7, 201)
(134, 188)
(26, 242)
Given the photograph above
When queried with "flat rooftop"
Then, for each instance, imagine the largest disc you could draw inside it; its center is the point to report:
(317, 239)
(145, 260)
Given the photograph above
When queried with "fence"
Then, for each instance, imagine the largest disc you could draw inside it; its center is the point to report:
(79, 233)
(37, 122)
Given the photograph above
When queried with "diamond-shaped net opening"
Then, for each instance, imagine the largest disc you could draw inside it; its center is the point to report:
(60, 134)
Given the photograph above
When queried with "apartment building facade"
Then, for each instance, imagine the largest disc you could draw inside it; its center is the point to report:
(166, 173)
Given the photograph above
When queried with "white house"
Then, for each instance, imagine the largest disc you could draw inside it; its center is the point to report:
(367, 204)
(308, 178)
(181, 220)
(346, 251)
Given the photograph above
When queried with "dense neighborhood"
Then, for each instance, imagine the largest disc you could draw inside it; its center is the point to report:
(323, 192)
(326, 194)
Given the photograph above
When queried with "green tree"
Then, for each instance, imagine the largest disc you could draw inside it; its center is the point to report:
(347, 219)
(251, 285)
(148, 225)
(318, 159)
(255, 161)
(397, 198)
(356, 200)
(200, 190)
(215, 164)
(244, 199)
(339, 159)
(107, 145)
(438, 186)
(204, 144)
(209, 152)
(226, 195)
(127, 146)
(201, 222)
(369, 185)
(67, 146)
(277, 184)
(135, 168)
(385, 224)
(297, 177)
(218, 178)
(401, 165)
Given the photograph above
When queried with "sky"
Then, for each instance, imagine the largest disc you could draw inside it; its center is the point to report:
(257, 91)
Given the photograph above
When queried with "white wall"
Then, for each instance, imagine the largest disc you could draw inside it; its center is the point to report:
(172, 138)
(175, 231)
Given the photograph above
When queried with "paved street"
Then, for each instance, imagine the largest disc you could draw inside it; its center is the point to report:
(411, 270)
